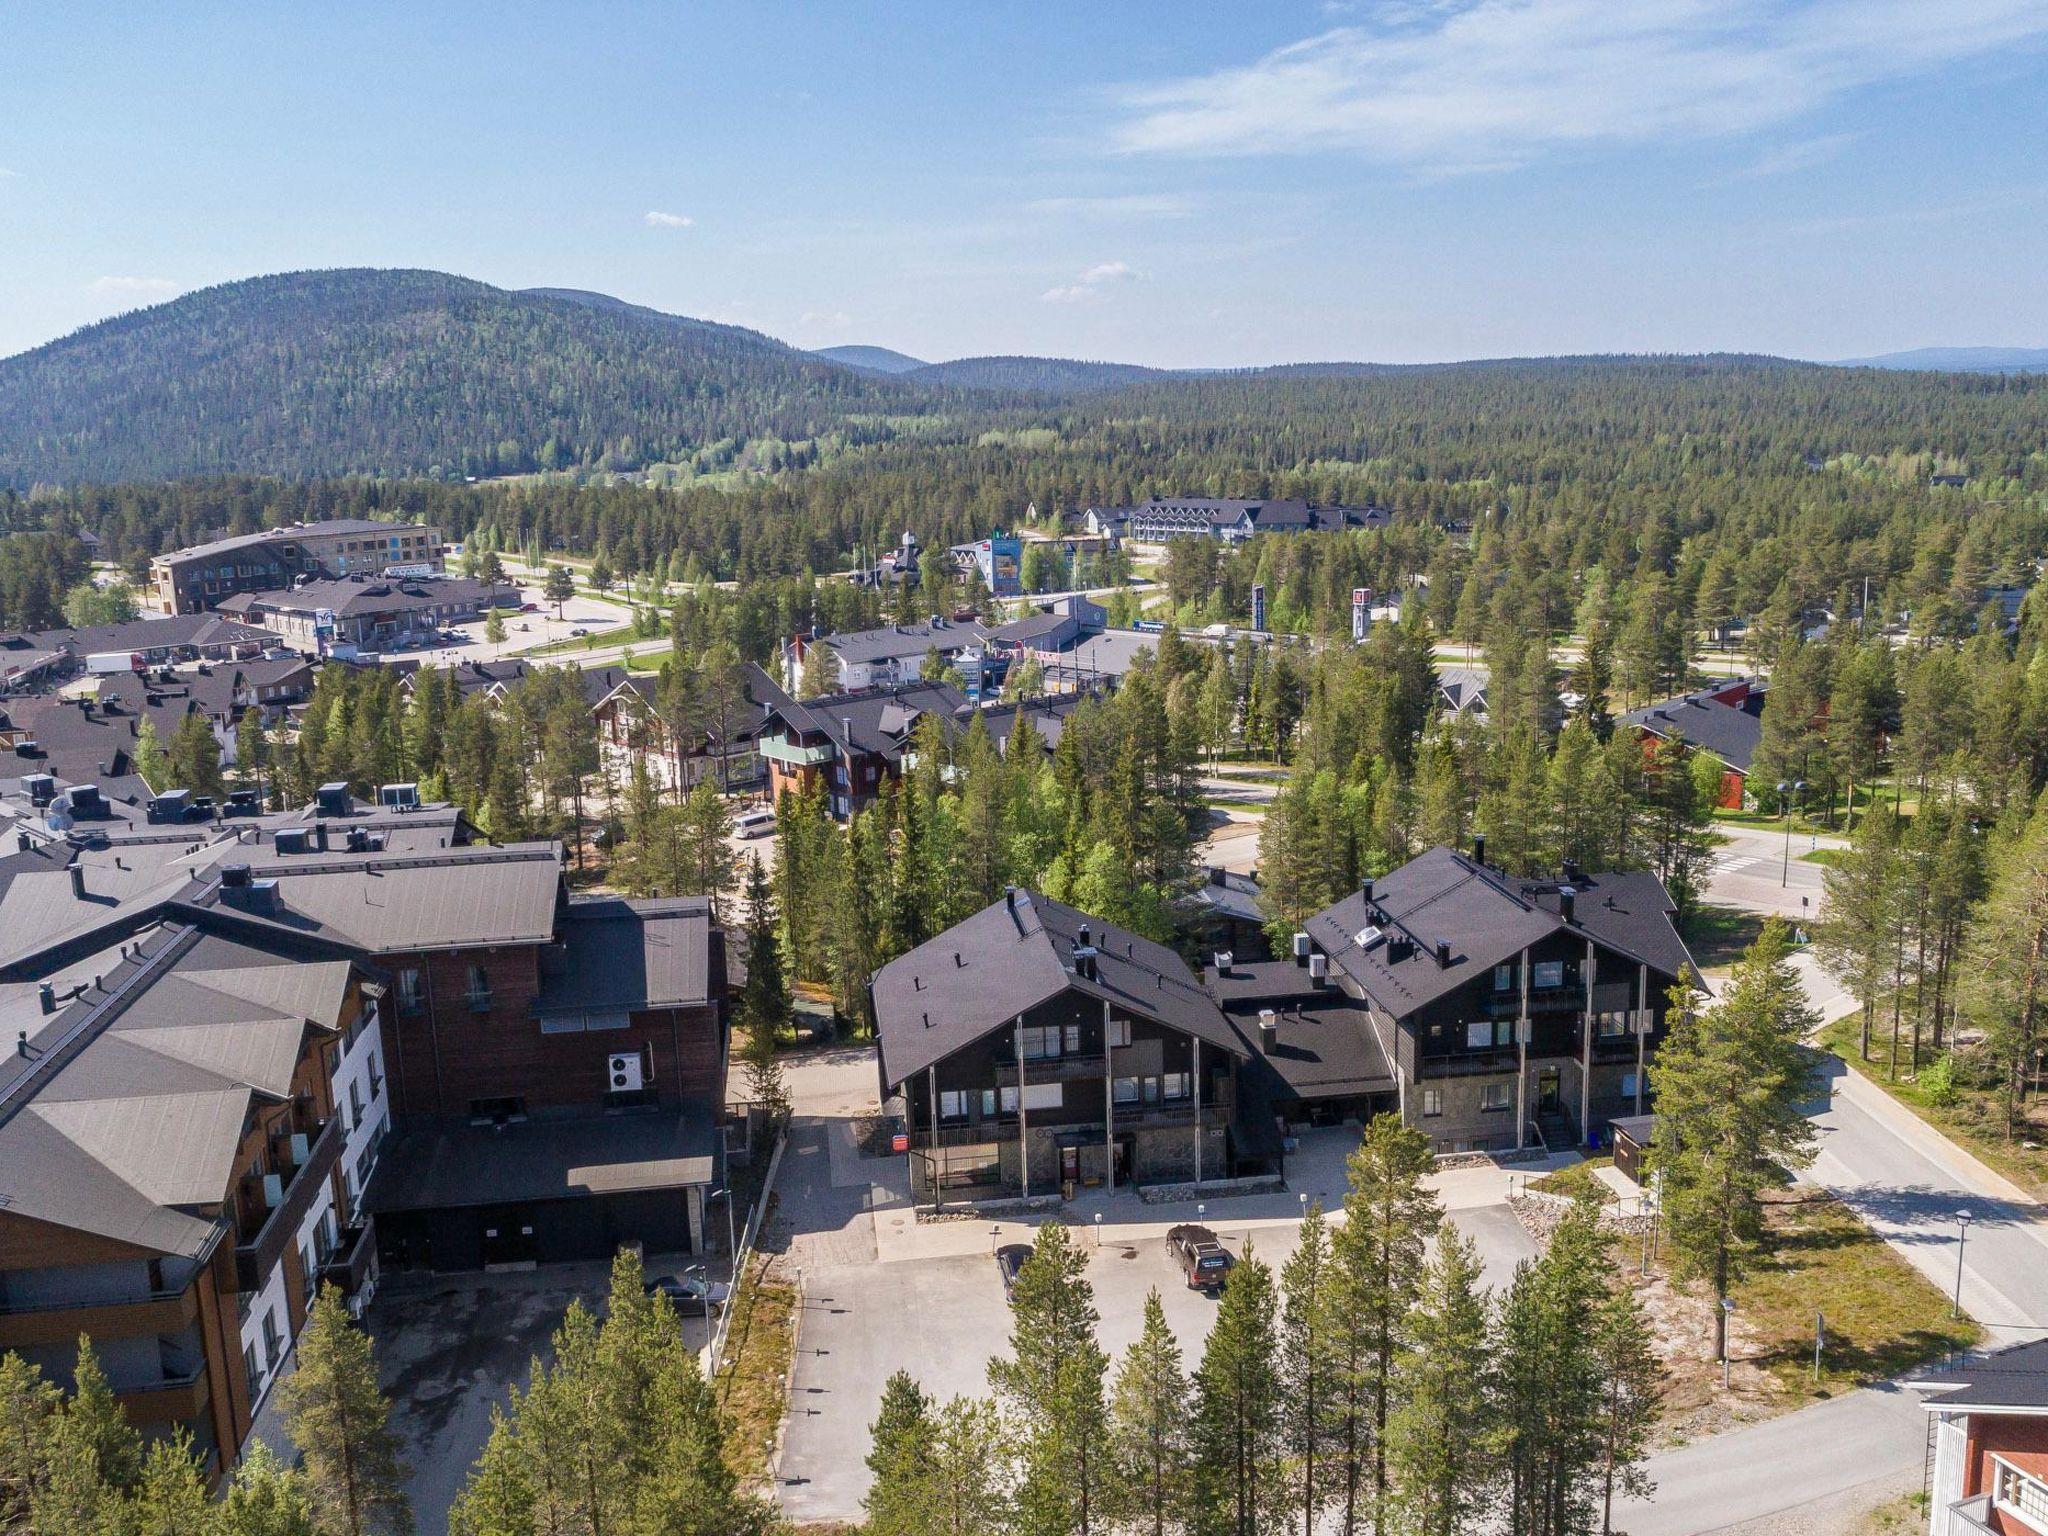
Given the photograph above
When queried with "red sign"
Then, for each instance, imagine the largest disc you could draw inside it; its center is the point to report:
(899, 1142)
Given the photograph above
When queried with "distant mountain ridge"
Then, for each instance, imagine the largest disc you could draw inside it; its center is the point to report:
(374, 371)
(1042, 375)
(1958, 360)
(884, 360)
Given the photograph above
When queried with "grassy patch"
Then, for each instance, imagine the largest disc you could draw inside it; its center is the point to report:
(753, 1383)
(1973, 1118)
(1829, 857)
(1575, 1180)
(1718, 935)
(622, 635)
(1882, 1315)
(1883, 1318)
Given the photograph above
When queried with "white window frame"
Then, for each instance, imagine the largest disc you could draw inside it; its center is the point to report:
(2036, 1520)
(1432, 1103)
(1487, 1091)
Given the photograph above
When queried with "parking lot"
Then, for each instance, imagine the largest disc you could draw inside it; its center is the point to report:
(523, 631)
(882, 1291)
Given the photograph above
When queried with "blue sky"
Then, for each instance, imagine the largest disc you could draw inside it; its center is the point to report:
(1168, 183)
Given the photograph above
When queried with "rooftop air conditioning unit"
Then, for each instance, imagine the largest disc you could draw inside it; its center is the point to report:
(625, 1073)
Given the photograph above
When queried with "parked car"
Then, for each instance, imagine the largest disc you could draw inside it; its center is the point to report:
(691, 1292)
(579, 632)
(754, 824)
(1009, 1260)
(529, 607)
(1203, 1259)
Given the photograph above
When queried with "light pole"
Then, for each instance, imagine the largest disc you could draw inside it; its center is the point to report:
(732, 1242)
(1963, 1219)
(1098, 1229)
(1786, 792)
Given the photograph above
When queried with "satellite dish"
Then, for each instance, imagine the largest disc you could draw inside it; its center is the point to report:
(58, 821)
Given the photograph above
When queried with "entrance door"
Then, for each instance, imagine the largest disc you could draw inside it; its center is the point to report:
(1070, 1165)
(508, 1235)
(1548, 1092)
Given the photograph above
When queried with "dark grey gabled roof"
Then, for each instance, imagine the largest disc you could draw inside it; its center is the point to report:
(1013, 955)
(2010, 1379)
(877, 720)
(1485, 917)
(894, 642)
(1731, 732)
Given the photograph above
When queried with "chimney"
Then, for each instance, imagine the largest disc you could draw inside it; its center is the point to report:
(1223, 959)
(23, 841)
(21, 1044)
(1269, 1031)
(1443, 954)
(1365, 890)
(1300, 948)
(77, 882)
(1571, 872)
(46, 995)
(1479, 848)
(320, 835)
(1567, 901)
(233, 876)
(1318, 970)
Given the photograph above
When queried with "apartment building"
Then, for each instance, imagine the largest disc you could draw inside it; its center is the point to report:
(1039, 1050)
(852, 743)
(895, 653)
(1987, 1416)
(177, 1113)
(362, 613)
(1229, 520)
(631, 729)
(196, 579)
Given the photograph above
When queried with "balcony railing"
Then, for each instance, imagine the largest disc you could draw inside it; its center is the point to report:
(160, 1402)
(348, 1267)
(58, 1321)
(1053, 1069)
(1972, 1514)
(255, 1258)
(780, 749)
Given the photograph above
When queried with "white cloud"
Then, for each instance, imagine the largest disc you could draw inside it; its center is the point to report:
(826, 319)
(141, 289)
(1799, 155)
(656, 219)
(1459, 85)
(1136, 205)
(1092, 286)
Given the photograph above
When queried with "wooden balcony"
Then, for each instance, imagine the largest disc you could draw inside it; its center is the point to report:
(1053, 1069)
(179, 1400)
(255, 1257)
(62, 1322)
(348, 1268)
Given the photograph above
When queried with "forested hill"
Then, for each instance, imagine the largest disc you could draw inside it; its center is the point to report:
(405, 372)
(1039, 375)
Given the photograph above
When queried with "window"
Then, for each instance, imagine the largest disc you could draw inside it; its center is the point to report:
(1432, 1103)
(2020, 1492)
(376, 1076)
(1503, 978)
(1611, 1026)
(1496, 1096)
(1119, 1032)
(1628, 1085)
(410, 999)
(1549, 974)
(1125, 1090)
(479, 989)
(253, 1370)
(1042, 1042)
(355, 1104)
(1036, 1096)
(1479, 1035)
(1176, 1086)
(953, 1104)
(273, 1341)
(988, 1103)
(309, 1270)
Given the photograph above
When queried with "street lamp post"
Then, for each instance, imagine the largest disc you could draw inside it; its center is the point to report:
(1786, 792)
(1963, 1219)
(732, 1241)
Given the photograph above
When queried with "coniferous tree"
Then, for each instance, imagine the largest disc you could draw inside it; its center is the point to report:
(1051, 1387)
(1239, 1440)
(1377, 1259)
(899, 1459)
(1730, 1083)
(1307, 1360)
(2006, 993)
(341, 1423)
(1442, 1479)
(1148, 1473)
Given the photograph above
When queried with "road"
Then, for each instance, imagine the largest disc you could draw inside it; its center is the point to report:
(1912, 1186)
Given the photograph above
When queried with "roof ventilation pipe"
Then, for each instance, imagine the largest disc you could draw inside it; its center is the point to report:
(1301, 948)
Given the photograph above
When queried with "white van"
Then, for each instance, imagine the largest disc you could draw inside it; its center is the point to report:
(754, 824)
